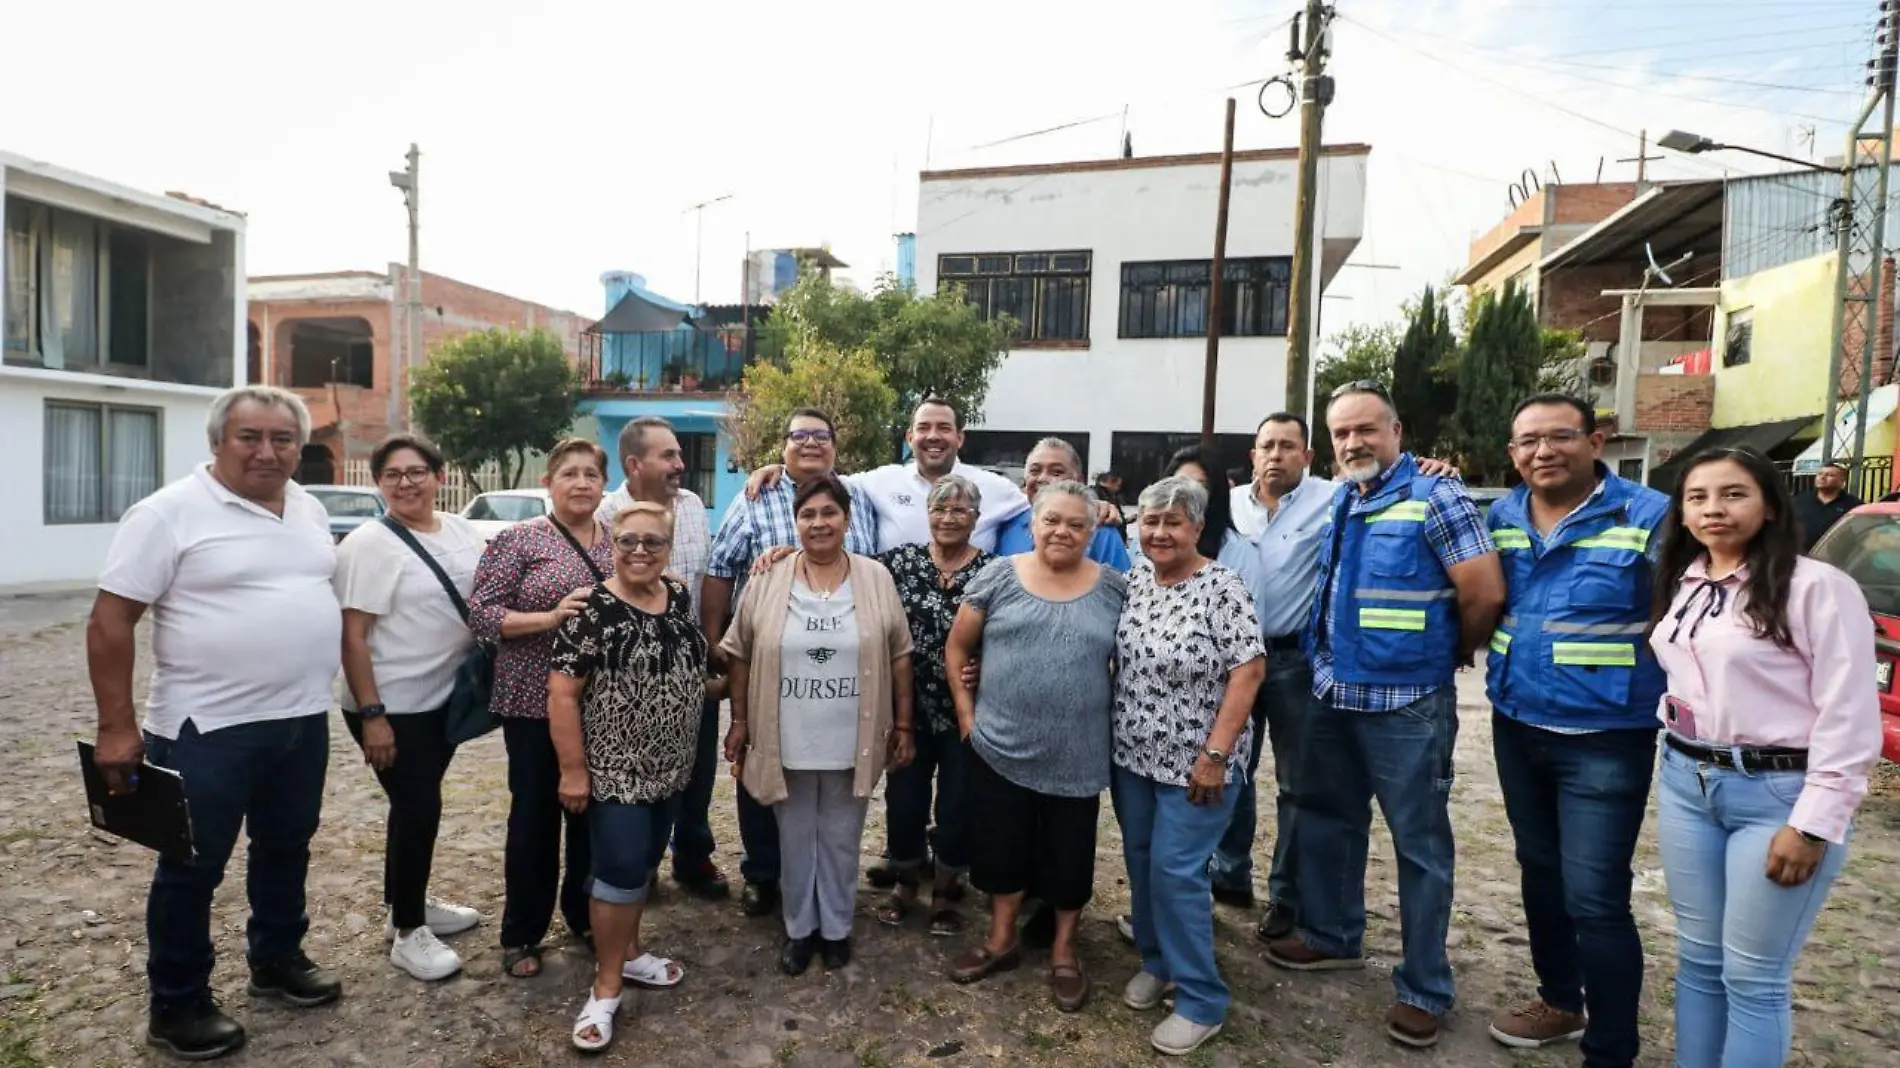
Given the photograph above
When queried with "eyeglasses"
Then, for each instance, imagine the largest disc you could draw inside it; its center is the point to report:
(413, 476)
(1363, 385)
(800, 437)
(649, 544)
(953, 511)
(1558, 439)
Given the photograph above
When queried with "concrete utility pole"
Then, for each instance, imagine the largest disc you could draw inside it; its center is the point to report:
(400, 405)
(1884, 82)
(699, 237)
(1217, 283)
(1316, 92)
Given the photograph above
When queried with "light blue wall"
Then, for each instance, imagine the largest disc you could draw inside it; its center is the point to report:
(689, 415)
(907, 259)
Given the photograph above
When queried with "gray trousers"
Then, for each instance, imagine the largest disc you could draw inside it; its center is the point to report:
(820, 826)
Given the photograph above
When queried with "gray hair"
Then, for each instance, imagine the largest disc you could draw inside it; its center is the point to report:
(1177, 491)
(266, 396)
(633, 436)
(1075, 458)
(1065, 488)
(952, 488)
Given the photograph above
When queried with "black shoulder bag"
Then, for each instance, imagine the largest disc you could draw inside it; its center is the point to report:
(468, 716)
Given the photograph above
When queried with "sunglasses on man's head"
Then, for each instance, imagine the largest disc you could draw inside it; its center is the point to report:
(1363, 385)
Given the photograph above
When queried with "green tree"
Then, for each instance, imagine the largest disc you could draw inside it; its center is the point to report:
(1501, 365)
(922, 344)
(1424, 374)
(846, 384)
(1562, 369)
(1357, 353)
(496, 395)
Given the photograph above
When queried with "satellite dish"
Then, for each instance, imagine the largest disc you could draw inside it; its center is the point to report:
(1656, 268)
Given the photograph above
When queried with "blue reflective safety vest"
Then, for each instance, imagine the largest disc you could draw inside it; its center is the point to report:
(1570, 650)
(1395, 611)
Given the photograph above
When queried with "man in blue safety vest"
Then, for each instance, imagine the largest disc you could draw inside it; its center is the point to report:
(1409, 589)
(1575, 688)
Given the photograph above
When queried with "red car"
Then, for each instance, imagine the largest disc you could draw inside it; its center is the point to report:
(1866, 545)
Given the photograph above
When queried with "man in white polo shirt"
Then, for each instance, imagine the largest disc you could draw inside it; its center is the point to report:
(234, 562)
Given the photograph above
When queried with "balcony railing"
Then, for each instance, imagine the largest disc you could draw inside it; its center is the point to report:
(686, 360)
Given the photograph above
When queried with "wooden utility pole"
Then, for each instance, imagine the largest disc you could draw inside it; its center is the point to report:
(1316, 92)
(1217, 282)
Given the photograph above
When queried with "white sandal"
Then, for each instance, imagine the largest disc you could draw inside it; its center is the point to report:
(598, 1014)
(656, 973)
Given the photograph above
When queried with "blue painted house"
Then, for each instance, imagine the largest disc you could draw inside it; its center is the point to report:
(649, 355)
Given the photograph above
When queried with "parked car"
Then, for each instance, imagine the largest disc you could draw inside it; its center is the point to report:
(1866, 545)
(349, 506)
(491, 513)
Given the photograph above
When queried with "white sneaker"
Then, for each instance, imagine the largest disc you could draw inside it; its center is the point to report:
(421, 955)
(441, 917)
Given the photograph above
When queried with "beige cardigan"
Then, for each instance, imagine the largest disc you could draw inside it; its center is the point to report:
(755, 636)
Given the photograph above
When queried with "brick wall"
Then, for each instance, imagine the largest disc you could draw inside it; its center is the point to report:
(1572, 204)
(1571, 298)
(1674, 402)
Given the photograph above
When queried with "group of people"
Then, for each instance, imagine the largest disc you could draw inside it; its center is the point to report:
(997, 659)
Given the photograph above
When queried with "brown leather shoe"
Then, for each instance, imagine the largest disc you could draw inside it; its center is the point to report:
(978, 962)
(1536, 1025)
(1070, 984)
(1295, 955)
(1412, 1026)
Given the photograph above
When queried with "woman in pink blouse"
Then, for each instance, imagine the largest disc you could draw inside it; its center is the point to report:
(1772, 724)
(533, 578)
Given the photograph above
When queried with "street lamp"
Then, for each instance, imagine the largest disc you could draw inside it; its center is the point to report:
(1695, 144)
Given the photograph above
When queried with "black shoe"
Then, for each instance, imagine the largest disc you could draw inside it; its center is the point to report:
(836, 953)
(795, 956)
(758, 899)
(881, 875)
(703, 880)
(1277, 923)
(1040, 931)
(1234, 897)
(295, 981)
(197, 1031)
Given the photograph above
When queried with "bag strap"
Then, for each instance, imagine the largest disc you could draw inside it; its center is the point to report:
(448, 584)
(599, 575)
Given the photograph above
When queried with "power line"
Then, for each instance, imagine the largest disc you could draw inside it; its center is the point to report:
(1656, 46)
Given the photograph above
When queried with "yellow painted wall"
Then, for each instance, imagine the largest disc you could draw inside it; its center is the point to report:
(1786, 376)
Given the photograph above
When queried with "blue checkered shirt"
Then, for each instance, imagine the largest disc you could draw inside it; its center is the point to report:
(751, 527)
(1456, 533)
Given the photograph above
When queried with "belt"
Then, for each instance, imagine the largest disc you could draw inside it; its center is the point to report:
(1284, 642)
(1753, 758)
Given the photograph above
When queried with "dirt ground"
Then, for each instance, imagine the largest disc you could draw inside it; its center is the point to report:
(72, 953)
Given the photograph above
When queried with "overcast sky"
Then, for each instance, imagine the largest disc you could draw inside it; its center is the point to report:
(569, 137)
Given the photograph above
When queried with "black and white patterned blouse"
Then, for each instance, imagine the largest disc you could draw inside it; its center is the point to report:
(1177, 645)
(646, 683)
(931, 608)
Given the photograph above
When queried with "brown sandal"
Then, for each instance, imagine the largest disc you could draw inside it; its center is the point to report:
(978, 962)
(894, 909)
(1070, 985)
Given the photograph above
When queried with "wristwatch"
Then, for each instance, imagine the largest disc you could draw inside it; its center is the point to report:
(372, 712)
(1215, 755)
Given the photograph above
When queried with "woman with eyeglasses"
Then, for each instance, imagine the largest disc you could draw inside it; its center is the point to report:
(930, 583)
(624, 701)
(821, 704)
(1772, 723)
(403, 639)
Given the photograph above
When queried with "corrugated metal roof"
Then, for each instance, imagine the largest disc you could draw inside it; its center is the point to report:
(1778, 219)
(1674, 218)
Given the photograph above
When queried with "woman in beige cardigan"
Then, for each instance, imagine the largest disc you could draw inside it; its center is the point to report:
(821, 703)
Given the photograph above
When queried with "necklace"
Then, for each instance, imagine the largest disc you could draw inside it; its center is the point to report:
(804, 566)
(947, 569)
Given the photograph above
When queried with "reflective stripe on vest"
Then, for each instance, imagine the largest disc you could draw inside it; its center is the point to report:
(1422, 596)
(1509, 539)
(1391, 618)
(1636, 539)
(1501, 642)
(1595, 628)
(1592, 654)
(1403, 511)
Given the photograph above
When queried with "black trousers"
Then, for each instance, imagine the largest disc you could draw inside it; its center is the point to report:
(1024, 841)
(413, 785)
(531, 861)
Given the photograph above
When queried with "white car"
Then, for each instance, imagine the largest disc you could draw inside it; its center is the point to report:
(492, 513)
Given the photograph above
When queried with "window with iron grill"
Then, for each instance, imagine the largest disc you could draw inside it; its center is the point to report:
(1045, 293)
(1169, 298)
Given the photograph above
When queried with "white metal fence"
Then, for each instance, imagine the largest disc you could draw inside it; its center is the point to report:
(457, 490)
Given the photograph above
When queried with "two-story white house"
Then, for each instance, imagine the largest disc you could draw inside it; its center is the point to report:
(121, 318)
(1105, 266)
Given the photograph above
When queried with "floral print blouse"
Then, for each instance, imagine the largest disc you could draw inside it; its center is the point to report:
(932, 608)
(529, 567)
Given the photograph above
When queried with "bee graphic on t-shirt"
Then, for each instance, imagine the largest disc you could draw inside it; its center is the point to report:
(821, 655)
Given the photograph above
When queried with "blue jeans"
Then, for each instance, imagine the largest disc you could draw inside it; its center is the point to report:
(1402, 758)
(1576, 804)
(627, 840)
(1282, 711)
(266, 778)
(758, 834)
(1166, 840)
(688, 813)
(1737, 932)
(907, 807)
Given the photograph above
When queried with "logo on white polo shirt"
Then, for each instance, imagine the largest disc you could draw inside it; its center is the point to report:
(902, 500)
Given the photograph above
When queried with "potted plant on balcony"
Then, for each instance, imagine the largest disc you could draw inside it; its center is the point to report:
(617, 380)
(689, 379)
(671, 373)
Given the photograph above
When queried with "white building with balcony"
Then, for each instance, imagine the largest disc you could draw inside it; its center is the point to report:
(121, 318)
(1105, 265)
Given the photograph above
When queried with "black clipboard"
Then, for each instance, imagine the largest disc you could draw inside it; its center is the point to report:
(155, 814)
